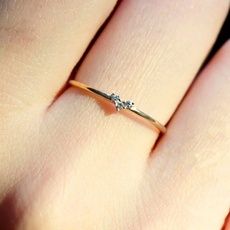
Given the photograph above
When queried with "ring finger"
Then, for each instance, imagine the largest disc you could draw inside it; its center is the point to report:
(150, 53)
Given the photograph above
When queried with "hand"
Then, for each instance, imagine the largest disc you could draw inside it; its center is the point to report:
(65, 163)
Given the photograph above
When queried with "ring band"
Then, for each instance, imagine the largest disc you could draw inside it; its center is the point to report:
(119, 104)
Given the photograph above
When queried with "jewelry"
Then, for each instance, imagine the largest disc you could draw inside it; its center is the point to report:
(119, 104)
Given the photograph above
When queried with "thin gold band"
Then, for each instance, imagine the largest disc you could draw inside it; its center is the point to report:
(115, 99)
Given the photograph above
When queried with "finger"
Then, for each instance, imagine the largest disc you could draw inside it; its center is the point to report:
(191, 163)
(104, 156)
(141, 56)
(40, 44)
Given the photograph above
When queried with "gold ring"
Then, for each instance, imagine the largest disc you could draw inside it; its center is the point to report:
(119, 104)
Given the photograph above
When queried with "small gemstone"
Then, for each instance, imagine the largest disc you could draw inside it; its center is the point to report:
(114, 97)
(117, 101)
(120, 104)
(128, 104)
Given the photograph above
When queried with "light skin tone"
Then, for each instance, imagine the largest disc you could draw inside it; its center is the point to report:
(65, 163)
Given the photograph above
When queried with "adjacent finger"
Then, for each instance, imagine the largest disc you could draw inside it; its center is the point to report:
(191, 164)
(40, 42)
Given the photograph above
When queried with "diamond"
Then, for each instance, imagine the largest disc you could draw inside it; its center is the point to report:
(114, 97)
(119, 104)
(117, 101)
(128, 104)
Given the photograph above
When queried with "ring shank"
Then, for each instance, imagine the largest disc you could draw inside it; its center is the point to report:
(133, 109)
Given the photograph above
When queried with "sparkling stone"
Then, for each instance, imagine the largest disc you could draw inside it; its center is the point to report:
(128, 104)
(115, 97)
(119, 103)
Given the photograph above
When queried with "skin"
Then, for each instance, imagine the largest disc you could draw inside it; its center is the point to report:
(68, 163)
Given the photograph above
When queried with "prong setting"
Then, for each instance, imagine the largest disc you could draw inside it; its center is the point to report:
(119, 104)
